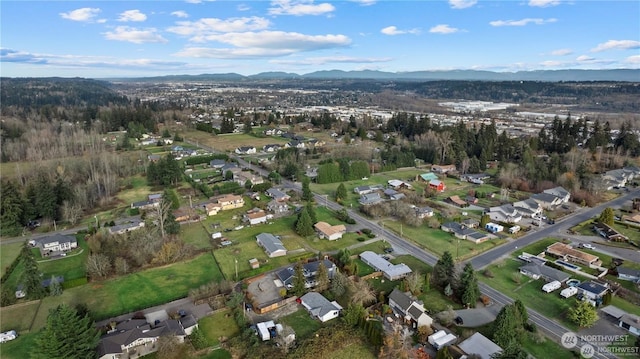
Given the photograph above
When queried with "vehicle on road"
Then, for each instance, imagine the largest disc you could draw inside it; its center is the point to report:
(588, 246)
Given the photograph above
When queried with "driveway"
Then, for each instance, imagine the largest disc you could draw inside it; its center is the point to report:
(476, 317)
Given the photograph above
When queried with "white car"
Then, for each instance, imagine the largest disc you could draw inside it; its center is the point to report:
(588, 246)
(7, 336)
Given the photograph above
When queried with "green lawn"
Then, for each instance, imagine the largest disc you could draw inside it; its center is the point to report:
(18, 348)
(528, 291)
(437, 241)
(543, 350)
(625, 305)
(357, 350)
(18, 317)
(376, 247)
(8, 253)
(302, 324)
(196, 235)
(70, 267)
(217, 325)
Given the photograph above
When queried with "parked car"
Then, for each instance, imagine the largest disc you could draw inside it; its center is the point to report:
(459, 320)
(588, 246)
(388, 250)
(8, 335)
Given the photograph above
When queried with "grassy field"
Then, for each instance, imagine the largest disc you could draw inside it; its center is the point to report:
(229, 142)
(358, 350)
(196, 235)
(217, 325)
(70, 267)
(8, 253)
(302, 323)
(437, 241)
(18, 317)
(19, 348)
(376, 247)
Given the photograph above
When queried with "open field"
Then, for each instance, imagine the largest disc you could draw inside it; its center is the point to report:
(231, 141)
(196, 235)
(359, 350)
(8, 254)
(217, 325)
(18, 317)
(19, 348)
(437, 241)
(70, 267)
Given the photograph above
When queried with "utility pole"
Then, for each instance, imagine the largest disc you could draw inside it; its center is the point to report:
(236, 261)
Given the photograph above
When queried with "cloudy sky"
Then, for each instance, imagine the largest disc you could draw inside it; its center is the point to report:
(147, 38)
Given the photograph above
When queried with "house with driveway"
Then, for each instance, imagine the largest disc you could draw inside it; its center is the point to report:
(229, 201)
(411, 311)
(255, 216)
(54, 244)
(320, 307)
(325, 230)
(505, 213)
(592, 292)
(562, 194)
(570, 254)
(630, 274)
(362, 190)
(537, 270)
(309, 270)
(278, 195)
(126, 227)
(389, 270)
(528, 208)
(271, 244)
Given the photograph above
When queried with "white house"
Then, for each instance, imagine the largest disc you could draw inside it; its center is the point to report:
(325, 230)
(411, 311)
(563, 195)
(320, 307)
(271, 244)
(493, 227)
(126, 227)
(389, 270)
(528, 207)
(256, 216)
(54, 243)
(246, 150)
(505, 213)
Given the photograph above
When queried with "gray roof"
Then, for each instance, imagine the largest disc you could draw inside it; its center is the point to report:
(270, 243)
(557, 191)
(318, 305)
(55, 238)
(119, 227)
(547, 272)
(544, 197)
(613, 311)
(309, 269)
(592, 287)
(480, 345)
(401, 299)
(631, 320)
(415, 312)
(628, 271)
(276, 193)
(381, 264)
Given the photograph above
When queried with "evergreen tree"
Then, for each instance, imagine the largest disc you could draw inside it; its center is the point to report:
(322, 278)
(607, 216)
(468, 290)
(55, 288)
(511, 352)
(299, 281)
(67, 335)
(307, 195)
(304, 227)
(31, 276)
(583, 314)
(523, 315)
(444, 270)
(444, 354)
(507, 330)
(11, 209)
(312, 212)
(341, 193)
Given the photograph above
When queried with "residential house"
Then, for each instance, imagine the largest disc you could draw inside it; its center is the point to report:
(570, 254)
(255, 216)
(559, 192)
(630, 274)
(412, 312)
(136, 337)
(361, 190)
(309, 270)
(54, 244)
(295, 144)
(471, 199)
(126, 227)
(242, 177)
(471, 223)
(634, 219)
(155, 197)
(480, 346)
(231, 166)
(153, 158)
(246, 150)
(277, 208)
(424, 212)
(506, 213)
(316, 143)
(463, 232)
(278, 195)
(217, 163)
(536, 271)
(610, 233)
(389, 270)
(426, 177)
(493, 227)
(212, 208)
(443, 169)
(273, 132)
(182, 214)
(393, 194)
(144, 205)
(229, 201)
(618, 178)
(478, 237)
(272, 148)
(311, 172)
(546, 200)
(476, 178)
(456, 201)
(370, 198)
(271, 244)
(592, 291)
(320, 307)
(325, 230)
(528, 208)
(437, 185)
(398, 185)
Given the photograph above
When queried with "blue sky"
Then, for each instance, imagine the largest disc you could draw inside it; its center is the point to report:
(148, 38)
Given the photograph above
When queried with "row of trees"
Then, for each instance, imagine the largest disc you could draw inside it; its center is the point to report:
(343, 170)
(464, 286)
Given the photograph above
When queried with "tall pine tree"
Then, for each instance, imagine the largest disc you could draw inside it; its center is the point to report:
(31, 277)
(67, 335)
(468, 289)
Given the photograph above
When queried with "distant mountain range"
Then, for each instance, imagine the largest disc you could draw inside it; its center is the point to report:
(628, 75)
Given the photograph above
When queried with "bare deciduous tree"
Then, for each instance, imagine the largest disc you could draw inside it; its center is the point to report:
(98, 266)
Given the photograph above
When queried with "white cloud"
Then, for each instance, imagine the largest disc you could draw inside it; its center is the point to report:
(199, 30)
(544, 3)
(137, 36)
(443, 29)
(392, 30)
(132, 15)
(522, 22)
(265, 44)
(561, 52)
(617, 45)
(583, 58)
(299, 8)
(365, 2)
(85, 14)
(462, 4)
(332, 59)
(243, 7)
(635, 59)
(180, 14)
